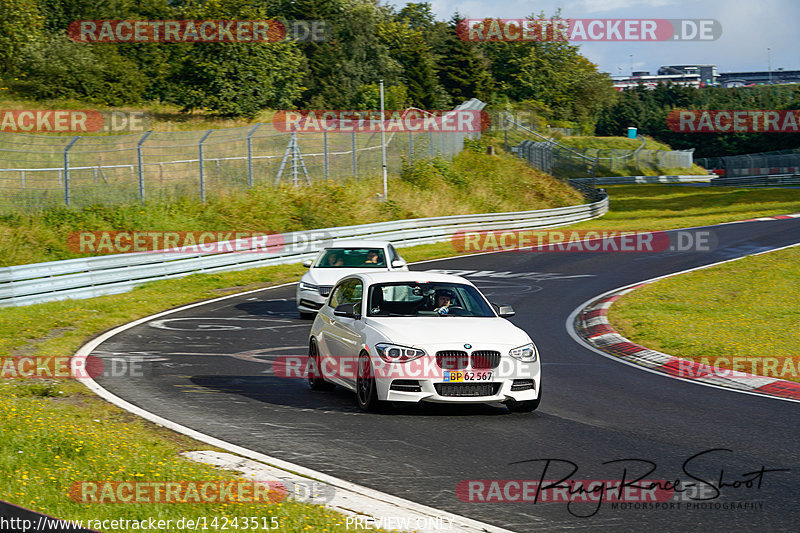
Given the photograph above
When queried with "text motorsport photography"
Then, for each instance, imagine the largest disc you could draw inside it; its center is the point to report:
(704, 483)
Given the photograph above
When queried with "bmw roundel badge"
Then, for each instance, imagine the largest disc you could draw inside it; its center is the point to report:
(467, 346)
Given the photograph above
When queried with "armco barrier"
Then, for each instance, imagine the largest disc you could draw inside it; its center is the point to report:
(113, 274)
(632, 180)
(775, 180)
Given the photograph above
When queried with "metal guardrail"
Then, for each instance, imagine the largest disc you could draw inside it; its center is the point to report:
(631, 180)
(114, 274)
(758, 164)
(756, 181)
(563, 161)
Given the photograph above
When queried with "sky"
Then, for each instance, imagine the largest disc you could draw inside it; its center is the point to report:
(749, 28)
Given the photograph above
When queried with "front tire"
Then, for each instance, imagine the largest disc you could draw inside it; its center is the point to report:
(366, 390)
(314, 370)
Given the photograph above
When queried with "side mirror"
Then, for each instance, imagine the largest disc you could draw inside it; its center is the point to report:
(398, 263)
(505, 311)
(308, 262)
(348, 310)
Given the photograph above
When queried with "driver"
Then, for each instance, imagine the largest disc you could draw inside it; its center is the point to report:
(443, 298)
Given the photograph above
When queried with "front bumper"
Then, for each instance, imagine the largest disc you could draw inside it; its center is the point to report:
(309, 301)
(429, 393)
(511, 380)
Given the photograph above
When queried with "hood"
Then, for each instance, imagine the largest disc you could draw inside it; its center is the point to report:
(329, 276)
(433, 331)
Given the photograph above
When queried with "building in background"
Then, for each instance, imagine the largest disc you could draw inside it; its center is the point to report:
(705, 76)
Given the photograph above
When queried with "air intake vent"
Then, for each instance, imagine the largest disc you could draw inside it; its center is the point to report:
(452, 359)
(485, 359)
(466, 389)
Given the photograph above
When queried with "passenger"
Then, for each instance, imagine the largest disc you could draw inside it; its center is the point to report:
(372, 258)
(334, 260)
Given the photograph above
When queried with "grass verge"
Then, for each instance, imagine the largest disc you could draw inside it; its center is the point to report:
(57, 432)
(663, 207)
(741, 315)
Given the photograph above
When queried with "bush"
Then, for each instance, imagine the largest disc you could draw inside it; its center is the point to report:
(59, 68)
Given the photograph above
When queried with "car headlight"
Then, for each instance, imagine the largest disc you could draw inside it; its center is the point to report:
(393, 353)
(526, 353)
(305, 286)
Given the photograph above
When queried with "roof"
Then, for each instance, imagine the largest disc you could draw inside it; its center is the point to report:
(413, 276)
(356, 243)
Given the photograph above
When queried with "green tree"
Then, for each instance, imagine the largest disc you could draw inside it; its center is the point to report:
(59, 68)
(410, 49)
(20, 24)
(238, 80)
(463, 71)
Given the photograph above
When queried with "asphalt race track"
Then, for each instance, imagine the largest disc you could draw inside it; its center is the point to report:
(210, 368)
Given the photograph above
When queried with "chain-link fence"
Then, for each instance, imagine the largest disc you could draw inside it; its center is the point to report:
(39, 171)
(760, 164)
(565, 162)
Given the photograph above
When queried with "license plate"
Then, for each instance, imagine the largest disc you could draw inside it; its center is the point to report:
(467, 376)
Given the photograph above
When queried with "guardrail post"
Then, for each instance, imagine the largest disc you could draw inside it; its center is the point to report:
(140, 164)
(250, 155)
(355, 162)
(202, 177)
(325, 151)
(66, 169)
(22, 178)
(505, 134)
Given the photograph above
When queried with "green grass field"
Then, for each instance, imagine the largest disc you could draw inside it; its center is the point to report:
(741, 315)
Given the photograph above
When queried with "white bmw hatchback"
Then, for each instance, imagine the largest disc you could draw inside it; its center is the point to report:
(421, 337)
(338, 260)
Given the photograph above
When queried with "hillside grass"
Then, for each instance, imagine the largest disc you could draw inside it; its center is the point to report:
(580, 142)
(471, 183)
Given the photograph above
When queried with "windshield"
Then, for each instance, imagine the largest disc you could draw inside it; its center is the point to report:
(352, 258)
(427, 299)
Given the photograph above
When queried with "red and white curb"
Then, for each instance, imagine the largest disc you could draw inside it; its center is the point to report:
(590, 323)
(778, 217)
